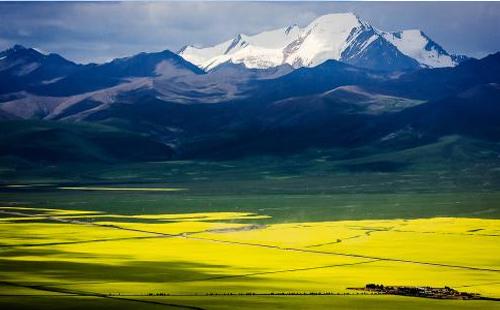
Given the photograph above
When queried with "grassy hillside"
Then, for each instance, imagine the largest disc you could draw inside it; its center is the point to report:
(55, 142)
(450, 163)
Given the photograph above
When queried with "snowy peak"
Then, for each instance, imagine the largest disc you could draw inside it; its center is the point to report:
(322, 39)
(343, 37)
(339, 22)
(260, 51)
(326, 38)
(417, 45)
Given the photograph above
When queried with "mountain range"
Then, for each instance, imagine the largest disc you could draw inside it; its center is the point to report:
(358, 89)
(342, 37)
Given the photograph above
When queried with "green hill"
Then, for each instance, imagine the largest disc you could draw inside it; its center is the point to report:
(51, 142)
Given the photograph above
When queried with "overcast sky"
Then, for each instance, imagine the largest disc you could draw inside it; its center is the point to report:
(100, 31)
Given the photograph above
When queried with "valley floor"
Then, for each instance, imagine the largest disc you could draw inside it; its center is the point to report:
(239, 234)
(219, 260)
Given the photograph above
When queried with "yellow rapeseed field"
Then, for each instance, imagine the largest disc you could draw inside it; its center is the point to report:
(221, 252)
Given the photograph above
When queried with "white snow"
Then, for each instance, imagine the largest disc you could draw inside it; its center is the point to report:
(412, 43)
(263, 50)
(198, 56)
(368, 42)
(40, 51)
(252, 57)
(325, 38)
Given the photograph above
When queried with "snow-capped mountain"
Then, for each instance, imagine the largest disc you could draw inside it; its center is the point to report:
(415, 44)
(342, 37)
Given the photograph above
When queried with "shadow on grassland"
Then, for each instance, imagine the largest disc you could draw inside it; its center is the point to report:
(130, 271)
(376, 166)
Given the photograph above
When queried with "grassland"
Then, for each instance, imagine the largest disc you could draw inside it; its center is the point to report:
(109, 236)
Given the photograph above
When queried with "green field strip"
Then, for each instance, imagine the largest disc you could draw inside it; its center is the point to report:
(91, 294)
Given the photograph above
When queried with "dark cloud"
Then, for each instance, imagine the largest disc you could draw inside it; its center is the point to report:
(99, 31)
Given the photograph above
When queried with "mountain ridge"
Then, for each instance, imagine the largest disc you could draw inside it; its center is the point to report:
(234, 111)
(340, 36)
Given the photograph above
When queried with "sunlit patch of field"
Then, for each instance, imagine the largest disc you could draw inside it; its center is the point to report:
(63, 252)
(123, 189)
(203, 216)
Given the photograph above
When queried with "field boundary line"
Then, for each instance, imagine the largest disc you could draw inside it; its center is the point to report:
(90, 294)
